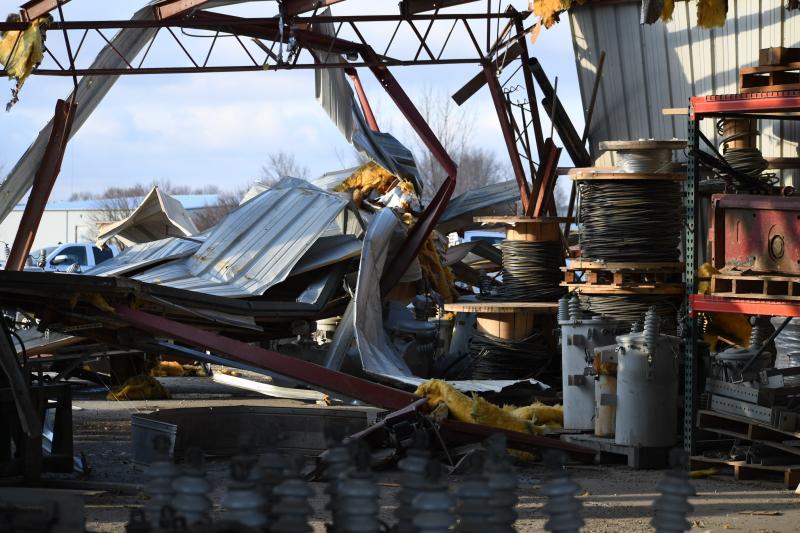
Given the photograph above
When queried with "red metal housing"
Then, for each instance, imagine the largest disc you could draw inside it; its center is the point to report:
(758, 233)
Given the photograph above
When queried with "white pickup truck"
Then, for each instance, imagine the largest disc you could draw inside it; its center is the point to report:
(61, 257)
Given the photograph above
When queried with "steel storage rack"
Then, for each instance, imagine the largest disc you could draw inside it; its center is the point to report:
(783, 105)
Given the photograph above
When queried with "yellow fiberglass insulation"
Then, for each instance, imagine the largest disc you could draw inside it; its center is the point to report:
(539, 413)
(367, 178)
(439, 275)
(549, 10)
(139, 388)
(474, 410)
(21, 52)
(711, 13)
(667, 10)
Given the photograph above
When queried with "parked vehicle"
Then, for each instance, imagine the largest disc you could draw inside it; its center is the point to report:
(62, 257)
(492, 237)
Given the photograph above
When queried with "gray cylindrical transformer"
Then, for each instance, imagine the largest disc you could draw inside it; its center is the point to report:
(579, 338)
(647, 390)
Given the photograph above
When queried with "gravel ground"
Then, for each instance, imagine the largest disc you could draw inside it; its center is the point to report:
(614, 498)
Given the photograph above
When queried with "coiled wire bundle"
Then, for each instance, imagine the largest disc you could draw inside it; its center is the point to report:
(634, 221)
(531, 270)
(630, 308)
(650, 161)
(496, 358)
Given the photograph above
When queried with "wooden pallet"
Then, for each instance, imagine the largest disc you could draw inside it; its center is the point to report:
(789, 475)
(777, 55)
(637, 457)
(641, 288)
(623, 274)
(772, 287)
(770, 78)
(748, 429)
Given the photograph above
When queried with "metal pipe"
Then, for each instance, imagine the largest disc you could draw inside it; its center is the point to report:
(362, 98)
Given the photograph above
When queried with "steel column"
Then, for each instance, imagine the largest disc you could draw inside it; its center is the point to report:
(508, 134)
(362, 98)
(530, 89)
(691, 366)
(42, 185)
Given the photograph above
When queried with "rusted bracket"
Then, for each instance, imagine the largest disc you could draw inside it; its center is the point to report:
(508, 134)
(42, 185)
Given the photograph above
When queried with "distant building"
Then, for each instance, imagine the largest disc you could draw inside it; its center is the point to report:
(78, 221)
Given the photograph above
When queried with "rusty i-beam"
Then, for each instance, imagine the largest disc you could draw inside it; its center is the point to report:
(42, 185)
(508, 134)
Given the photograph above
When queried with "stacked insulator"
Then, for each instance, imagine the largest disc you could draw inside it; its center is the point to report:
(191, 500)
(414, 478)
(271, 464)
(292, 509)
(337, 460)
(760, 332)
(161, 473)
(562, 507)
(563, 308)
(473, 501)
(433, 506)
(503, 483)
(652, 329)
(358, 498)
(243, 502)
(673, 506)
(575, 312)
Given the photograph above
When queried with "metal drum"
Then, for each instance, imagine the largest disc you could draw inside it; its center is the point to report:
(647, 389)
(579, 338)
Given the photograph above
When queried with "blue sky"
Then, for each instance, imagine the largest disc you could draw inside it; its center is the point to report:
(219, 129)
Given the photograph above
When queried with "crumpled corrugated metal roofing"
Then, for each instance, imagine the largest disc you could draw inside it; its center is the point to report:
(379, 357)
(158, 216)
(149, 253)
(500, 198)
(258, 244)
(336, 97)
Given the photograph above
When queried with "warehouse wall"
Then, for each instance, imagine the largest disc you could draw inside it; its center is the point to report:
(648, 68)
(56, 226)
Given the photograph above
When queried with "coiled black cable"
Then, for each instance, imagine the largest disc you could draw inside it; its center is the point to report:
(633, 221)
(631, 308)
(531, 271)
(496, 358)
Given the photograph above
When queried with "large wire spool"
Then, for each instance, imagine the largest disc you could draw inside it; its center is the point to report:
(531, 271)
(496, 358)
(631, 221)
(631, 308)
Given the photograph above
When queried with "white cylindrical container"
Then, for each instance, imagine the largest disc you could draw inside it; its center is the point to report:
(605, 405)
(647, 391)
(579, 338)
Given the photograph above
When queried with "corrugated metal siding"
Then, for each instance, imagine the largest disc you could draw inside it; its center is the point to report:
(256, 246)
(648, 68)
